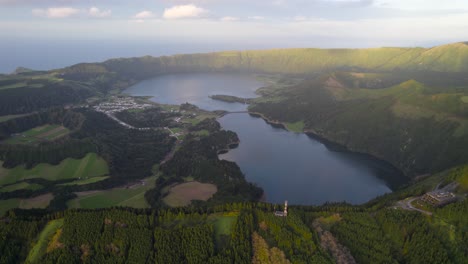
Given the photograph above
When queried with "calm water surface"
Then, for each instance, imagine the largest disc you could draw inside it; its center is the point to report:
(196, 89)
(288, 166)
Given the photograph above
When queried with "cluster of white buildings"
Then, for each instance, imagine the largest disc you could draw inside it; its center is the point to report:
(119, 104)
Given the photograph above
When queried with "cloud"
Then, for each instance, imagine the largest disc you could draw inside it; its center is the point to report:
(137, 20)
(144, 15)
(351, 3)
(256, 17)
(230, 18)
(300, 18)
(56, 12)
(96, 12)
(184, 12)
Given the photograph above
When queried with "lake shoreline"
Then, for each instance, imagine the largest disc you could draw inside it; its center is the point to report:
(318, 175)
(337, 147)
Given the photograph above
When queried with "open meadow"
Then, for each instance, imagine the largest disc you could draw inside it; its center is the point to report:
(132, 195)
(38, 134)
(41, 201)
(81, 169)
(182, 194)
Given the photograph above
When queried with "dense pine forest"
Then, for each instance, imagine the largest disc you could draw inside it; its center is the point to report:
(234, 233)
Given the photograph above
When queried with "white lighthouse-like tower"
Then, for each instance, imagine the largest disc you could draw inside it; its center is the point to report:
(284, 212)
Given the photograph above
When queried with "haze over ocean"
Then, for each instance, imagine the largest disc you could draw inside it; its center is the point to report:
(53, 54)
(48, 54)
(46, 34)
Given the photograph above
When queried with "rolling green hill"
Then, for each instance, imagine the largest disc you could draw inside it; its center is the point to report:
(448, 58)
(119, 73)
(417, 128)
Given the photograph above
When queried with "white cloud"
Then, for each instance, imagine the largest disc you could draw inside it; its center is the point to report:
(184, 11)
(56, 12)
(279, 3)
(230, 18)
(96, 12)
(351, 3)
(139, 21)
(256, 17)
(144, 15)
(300, 18)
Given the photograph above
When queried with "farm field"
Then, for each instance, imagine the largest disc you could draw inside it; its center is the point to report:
(133, 196)
(85, 181)
(183, 194)
(18, 84)
(88, 167)
(20, 186)
(41, 201)
(8, 117)
(38, 134)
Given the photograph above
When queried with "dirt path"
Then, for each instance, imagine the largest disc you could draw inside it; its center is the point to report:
(171, 153)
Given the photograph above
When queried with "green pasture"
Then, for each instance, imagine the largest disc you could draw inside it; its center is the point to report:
(34, 135)
(88, 167)
(133, 196)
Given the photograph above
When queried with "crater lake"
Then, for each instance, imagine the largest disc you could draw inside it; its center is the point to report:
(288, 166)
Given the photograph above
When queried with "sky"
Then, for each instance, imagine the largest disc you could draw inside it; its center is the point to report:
(206, 25)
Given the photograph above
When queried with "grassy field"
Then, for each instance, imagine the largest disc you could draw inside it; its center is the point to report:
(202, 133)
(41, 201)
(200, 117)
(19, 84)
(183, 194)
(90, 166)
(8, 117)
(134, 196)
(463, 181)
(43, 240)
(20, 186)
(459, 175)
(169, 108)
(297, 127)
(6, 205)
(37, 134)
(85, 181)
(223, 224)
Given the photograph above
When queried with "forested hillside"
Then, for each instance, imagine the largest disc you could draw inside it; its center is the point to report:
(418, 126)
(234, 233)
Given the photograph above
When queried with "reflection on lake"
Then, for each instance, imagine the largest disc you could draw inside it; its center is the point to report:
(288, 166)
(196, 88)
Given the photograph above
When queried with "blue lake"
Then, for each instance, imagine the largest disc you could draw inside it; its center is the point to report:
(288, 166)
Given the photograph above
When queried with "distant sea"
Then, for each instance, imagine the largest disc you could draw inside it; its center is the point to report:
(46, 55)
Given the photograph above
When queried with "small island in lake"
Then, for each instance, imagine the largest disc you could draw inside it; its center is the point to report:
(230, 98)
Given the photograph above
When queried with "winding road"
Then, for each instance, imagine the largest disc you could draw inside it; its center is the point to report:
(406, 204)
